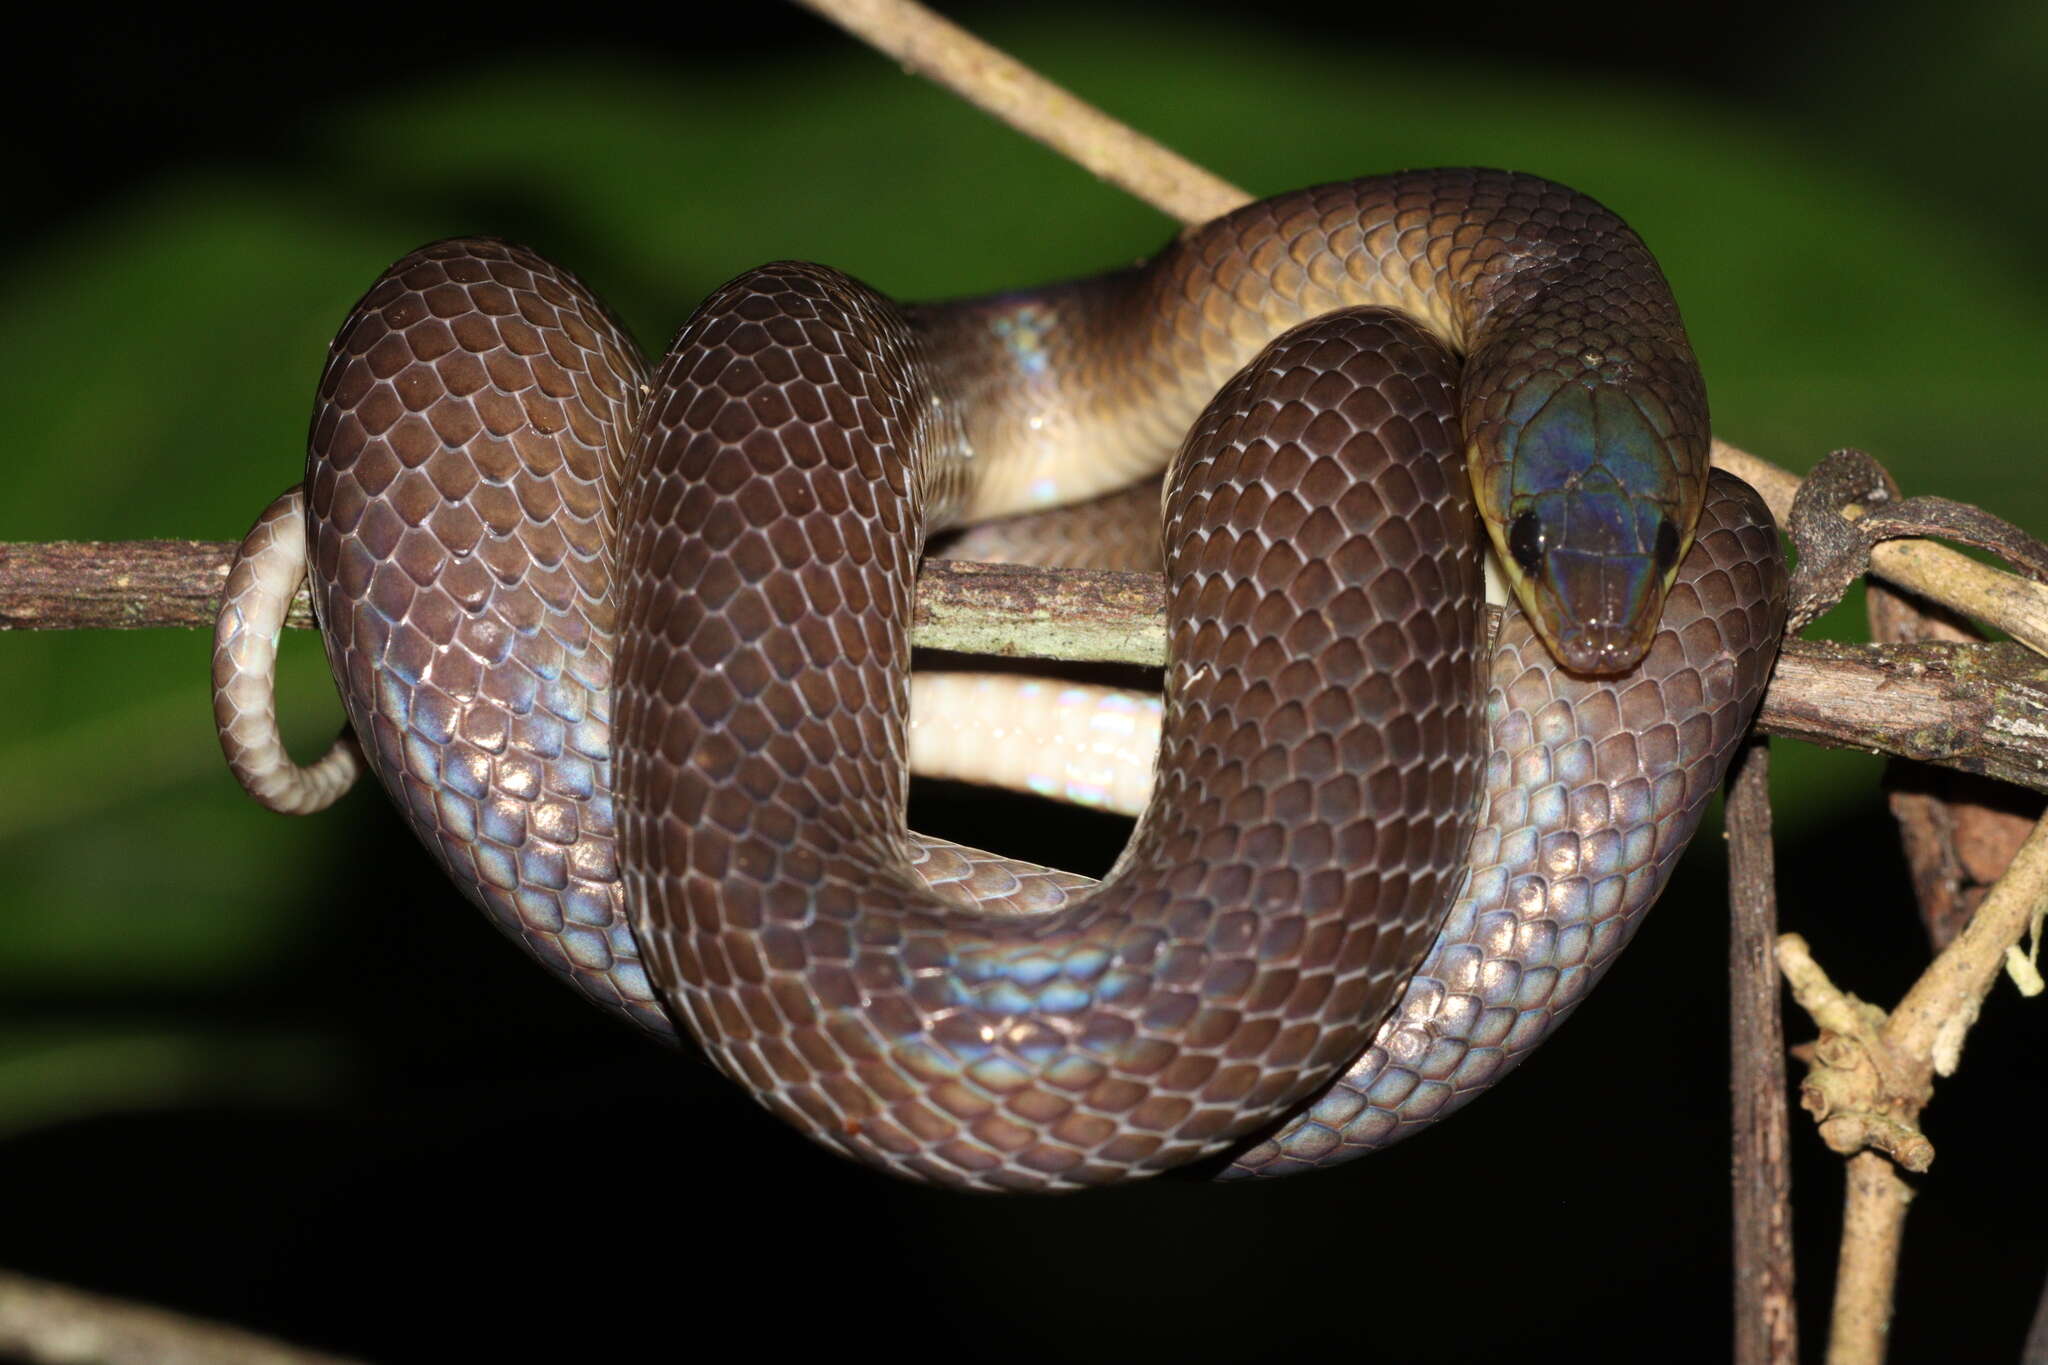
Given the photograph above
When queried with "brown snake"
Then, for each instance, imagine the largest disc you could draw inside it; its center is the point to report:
(497, 499)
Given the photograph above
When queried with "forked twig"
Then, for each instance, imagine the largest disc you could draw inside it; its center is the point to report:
(52, 1324)
(1874, 1072)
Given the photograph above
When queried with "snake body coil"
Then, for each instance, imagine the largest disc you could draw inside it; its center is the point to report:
(503, 538)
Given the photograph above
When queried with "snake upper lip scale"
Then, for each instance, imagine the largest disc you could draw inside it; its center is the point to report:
(529, 559)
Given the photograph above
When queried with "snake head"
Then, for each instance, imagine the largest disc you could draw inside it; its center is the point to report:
(1592, 516)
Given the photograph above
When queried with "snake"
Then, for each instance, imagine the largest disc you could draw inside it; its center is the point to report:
(630, 651)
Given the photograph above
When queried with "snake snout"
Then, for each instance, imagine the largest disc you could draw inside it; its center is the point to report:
(1604, 648)
(1597, 611)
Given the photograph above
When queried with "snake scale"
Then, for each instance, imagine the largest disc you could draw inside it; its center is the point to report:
(631, 652)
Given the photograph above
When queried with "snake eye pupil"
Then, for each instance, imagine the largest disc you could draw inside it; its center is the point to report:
(1525, 542)
(1666, 548)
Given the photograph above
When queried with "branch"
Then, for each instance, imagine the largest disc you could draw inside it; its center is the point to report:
(1766, 1317)
(1976, 708)
(52, 1324)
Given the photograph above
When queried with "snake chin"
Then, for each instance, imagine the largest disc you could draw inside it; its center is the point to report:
(1606, 649)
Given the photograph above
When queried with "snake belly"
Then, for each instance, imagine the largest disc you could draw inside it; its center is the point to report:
(491, 513)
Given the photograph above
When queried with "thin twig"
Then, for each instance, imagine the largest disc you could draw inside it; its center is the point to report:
(1939, 1009)
(52, 1324)
(1959, 831)
(1873, 1226)
(1777, 486)
(1000, 85)
(1766, 1321)
(2035, 1352)
(1954, 580)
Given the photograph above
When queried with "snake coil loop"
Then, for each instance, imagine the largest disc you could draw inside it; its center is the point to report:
(529, 559)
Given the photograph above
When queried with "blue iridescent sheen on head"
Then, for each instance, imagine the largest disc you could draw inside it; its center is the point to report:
(1594, 527)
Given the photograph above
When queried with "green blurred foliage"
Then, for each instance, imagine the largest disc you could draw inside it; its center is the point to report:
(158, 357)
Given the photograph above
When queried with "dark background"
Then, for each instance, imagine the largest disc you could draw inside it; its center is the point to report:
(273, 1071)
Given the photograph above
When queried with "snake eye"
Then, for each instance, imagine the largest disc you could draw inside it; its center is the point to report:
(1525, 542)
(1666, 548)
